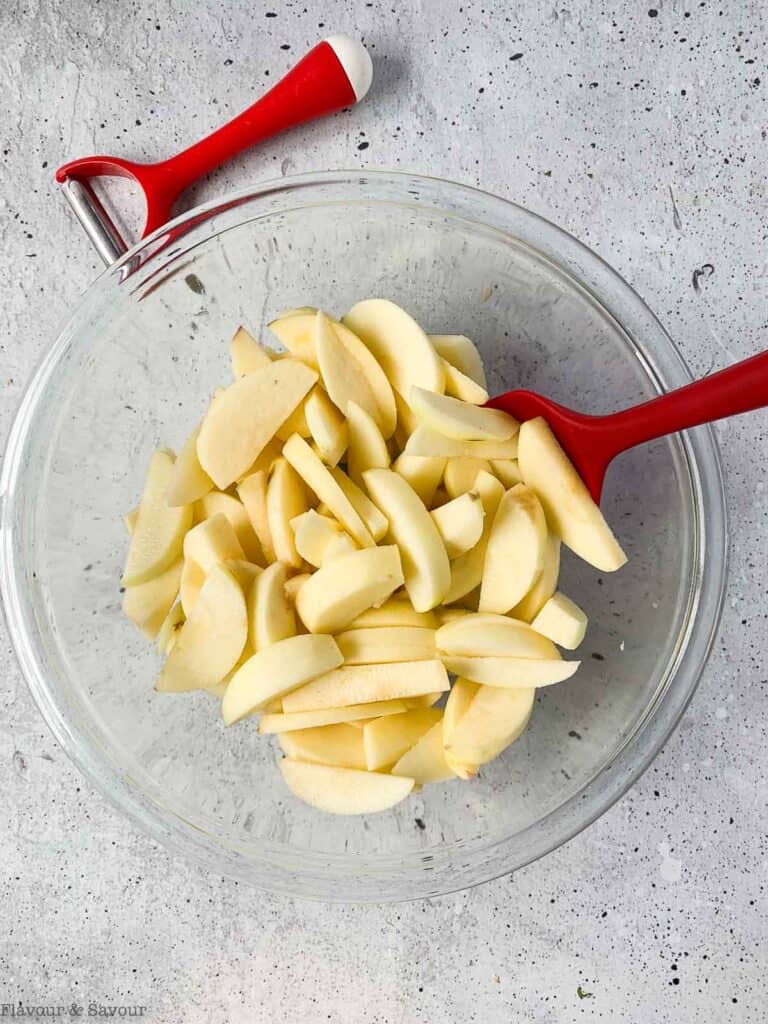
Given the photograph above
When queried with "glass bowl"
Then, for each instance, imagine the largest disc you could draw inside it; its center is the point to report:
(134, 368)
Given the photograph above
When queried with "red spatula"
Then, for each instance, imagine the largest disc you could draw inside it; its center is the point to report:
(592, 442)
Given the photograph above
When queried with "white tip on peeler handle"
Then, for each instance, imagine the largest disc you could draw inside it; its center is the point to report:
(355, 60)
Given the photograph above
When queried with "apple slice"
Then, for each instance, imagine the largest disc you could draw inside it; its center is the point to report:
(343, 790)
(327, 426)
(386, 739)
(275, 671)
(189, 481)
(422, 473)
(508, 471)
(326, 486)
(157, 538)
(339, 592)
(379, 645)
(397, 611)
(312, 534)
(234, 510)
(342, 544)
(406, 422)
(494, 719)
(452, 614)
(511, 672)
(460, 420)
(212, 638)
(460, 352)
(459, 385)
(459, 699)
(339, 745)
(211, 542)
(267, 457)
(295, 330)
(487, 635)
(561, 620)
(461, 472)
(294, 585)
(467, 569)
(148, 604)
(424, 441)
(296, 423)
(367, 447)
(192, 580)
(247, 415)
(169, 630)
(270, 613)
(342, 375)
(247, 354)
(425, 562)
(354, 713)
(425, 761)
(362, 684)
(570, 511)
(252, 491)
(514, 559)
(460, 523)
(545, 585)
(286, 499)
(375, 522)
(244, 572)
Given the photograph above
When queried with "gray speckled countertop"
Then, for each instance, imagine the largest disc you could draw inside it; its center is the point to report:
(643, 132)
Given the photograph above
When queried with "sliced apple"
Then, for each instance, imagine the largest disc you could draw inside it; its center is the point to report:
(379, 645)
(294, 585)
(467, 569)
(252, 491)
(234, 510)
(459, 385)
(265, 460)
(422, 473)
(343, 790)
(483, 634)
(511, 672)
(461, 696)
(425, 562)
(188, 481)
(362, 684)
(212, 638)
(295, 330)
(407, 422)
(354, 713)
(374, 521)
(211, 542)
(514, 559)
(247, 415)
(425, 761)
(148, 604)
(270, 613)
(296, 423)
(386, 739)
(570, 510)
(339, 745)
(460, 523)
(397, 611)
(367, 447)
(545, 585)
(340, 545)
(244, 572)
(424, 700)
(247, 354)
(320, 479)
(342, 375)
(169, 630)
(461, 472)
(494, 718)
(460, 420)
(400, 346)
(508, 471)
(286, 499)
(312, 534)
(460, 352)
(424, 441)
(157, 538)
(339, 592)
(192, 580)
(445, 615)
(327, 426)
(562, 621)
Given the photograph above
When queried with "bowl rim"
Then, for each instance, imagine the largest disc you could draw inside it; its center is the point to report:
(488, 860)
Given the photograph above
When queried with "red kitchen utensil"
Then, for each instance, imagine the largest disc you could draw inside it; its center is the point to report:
(335, 74)
(592, 442)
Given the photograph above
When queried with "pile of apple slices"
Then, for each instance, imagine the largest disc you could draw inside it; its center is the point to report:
(346, 530)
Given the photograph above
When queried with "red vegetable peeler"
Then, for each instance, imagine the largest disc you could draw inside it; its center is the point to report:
(335, 74)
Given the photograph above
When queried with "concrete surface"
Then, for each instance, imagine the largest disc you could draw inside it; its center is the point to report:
(640, 127)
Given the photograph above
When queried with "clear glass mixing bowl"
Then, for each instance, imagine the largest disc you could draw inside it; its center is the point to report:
(134, 368)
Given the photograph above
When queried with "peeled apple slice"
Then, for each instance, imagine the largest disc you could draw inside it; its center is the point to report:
(211, 640)
(400, 346)
(386, 644)
(545, 585)
(460, 523)
(367, 447)
(148, 604)
(277, 670)
(570, 510)
(486, 635)
(157, 538)
(454, 418)
(422, 473)
(425, 563)
(562, 621)
(312, 534)
(192, 580)
(343, 790)
(339, 745)
(467, 569)
(342, 544)
(295, 330)
(169, 630)
(494, 719)
(395, 612)
(247, 354)
(375, 522)
(188, 481)
(337, 593)
(211, 542)
(386, 739)
(327, 426)
(508, 471)
(461, 472)
(459, 699)
(270, 614)
(460, 352)
(362, 684)
(234, 510)
(459, 385)
(342, 375)
(511, 672)
(425, 761)
(252, 491)
(247, 415)
(514, 559)
(425, 441)
(294, 585)
(286, 499)
(275, 723)
(244, 572)
(295, 424)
